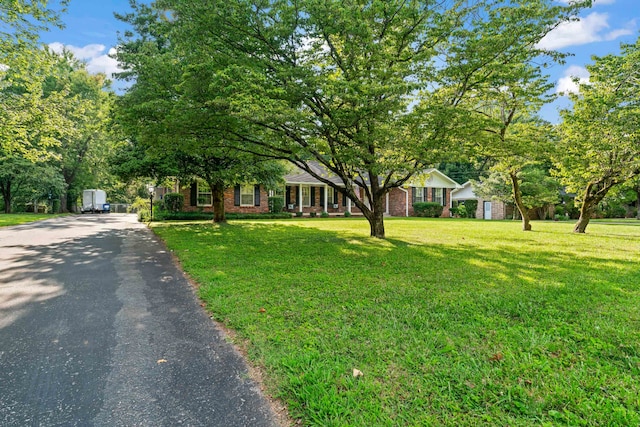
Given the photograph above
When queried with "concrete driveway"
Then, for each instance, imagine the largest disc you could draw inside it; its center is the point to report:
(98, 327)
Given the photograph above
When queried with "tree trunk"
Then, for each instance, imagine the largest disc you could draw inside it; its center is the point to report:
(589, 202)
(585, 216)
(375, 216)
(517, 196)
(7, 203)
(217, 194)
(5, 186)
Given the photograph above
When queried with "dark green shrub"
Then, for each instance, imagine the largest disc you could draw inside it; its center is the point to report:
(324, 214)
(197, 216)
(173, 202)
(470, 207)
(428, 209)
(276, 204)
(347, 214)
(313, 214)
(298, 214)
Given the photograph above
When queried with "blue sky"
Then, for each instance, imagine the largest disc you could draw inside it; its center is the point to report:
(91, 33)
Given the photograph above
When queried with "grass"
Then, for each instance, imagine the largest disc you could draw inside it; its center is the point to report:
(451, 322)
(7, 220)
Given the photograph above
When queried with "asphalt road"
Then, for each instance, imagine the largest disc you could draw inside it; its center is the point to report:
(98, 327)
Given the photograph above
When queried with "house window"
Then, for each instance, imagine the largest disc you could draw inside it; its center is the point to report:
(419, 194)
(306, 195)
(247, 195)
(204, 194)
(438, 195)
(330, 198)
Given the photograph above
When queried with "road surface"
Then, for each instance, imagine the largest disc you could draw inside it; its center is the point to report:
(98, 327)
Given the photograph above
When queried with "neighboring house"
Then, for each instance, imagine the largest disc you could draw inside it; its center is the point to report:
(304, 193)
(487, 209)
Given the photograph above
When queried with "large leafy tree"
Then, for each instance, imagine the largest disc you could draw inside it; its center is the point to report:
(83, 144)
(168, 121)
(372, 90)
(600, 146)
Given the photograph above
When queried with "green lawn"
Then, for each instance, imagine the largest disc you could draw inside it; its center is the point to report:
(452, 322)
(20, 218)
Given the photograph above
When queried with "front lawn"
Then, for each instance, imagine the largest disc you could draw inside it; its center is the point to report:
(7, 220)
(451, 322)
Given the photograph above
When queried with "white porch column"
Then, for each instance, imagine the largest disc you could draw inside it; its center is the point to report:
(326, 196)
(386, 209)
(349, 204)
(299, 198)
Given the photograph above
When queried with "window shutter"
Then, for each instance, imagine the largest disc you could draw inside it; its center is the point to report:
(287, 195)
(344, 199)
(413, 195)
(256, 195)
(335, 196)
(433, 194)
(321, 196)
(236, 195)
(193, 196)
(313, 196)
(444, 197)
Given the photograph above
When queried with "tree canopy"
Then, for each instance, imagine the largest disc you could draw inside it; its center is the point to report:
(600, 144)
(375, 91)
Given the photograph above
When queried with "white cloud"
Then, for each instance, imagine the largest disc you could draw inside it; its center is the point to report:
(566, 84)
(93, 55)
(589, 29)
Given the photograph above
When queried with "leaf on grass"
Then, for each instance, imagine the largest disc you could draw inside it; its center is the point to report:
(161, 361)
(262, 310)
(496, 357)
(357, 373)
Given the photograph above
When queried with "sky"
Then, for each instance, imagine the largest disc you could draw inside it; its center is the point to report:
(91, 33)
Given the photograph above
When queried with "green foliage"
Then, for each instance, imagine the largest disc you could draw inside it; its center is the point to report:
(173, 202)
(347, 214)
(428, 209)
(144, 215)
(324, 214)
(599, 147)
(470, 208)
(195, 216)
(453, 323)
(298, 214)
(276, 204)
(299, 80)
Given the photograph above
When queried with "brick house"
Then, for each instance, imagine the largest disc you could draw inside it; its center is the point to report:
(487, 209)
(304, 193)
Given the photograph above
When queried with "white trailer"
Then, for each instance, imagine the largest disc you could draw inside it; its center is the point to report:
(95, 201)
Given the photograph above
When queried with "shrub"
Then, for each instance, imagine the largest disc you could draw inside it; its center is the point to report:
(324, 214)
(347, 214)
(470, 207)
(428, 209)
(276, 204)
(139, 204)
(144, 215)
(173, 202)
(197, 216)
(313, 214)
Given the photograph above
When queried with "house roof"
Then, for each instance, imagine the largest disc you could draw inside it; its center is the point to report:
(299, 176)
(429, 178)
(433, 178)
(465, 192)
